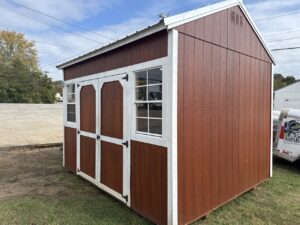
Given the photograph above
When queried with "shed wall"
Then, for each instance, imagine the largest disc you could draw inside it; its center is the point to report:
(70, 135)
(224, 103)
(149, 48)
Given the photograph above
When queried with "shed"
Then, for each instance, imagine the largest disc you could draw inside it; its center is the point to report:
(287, 97)
(174, 120)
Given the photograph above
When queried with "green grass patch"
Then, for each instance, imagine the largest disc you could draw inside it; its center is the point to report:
(276, 201)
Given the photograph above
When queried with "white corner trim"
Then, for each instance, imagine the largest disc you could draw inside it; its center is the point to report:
(172, 129)
(271, 141)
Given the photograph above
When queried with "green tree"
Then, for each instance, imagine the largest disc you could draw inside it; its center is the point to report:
(21, 80)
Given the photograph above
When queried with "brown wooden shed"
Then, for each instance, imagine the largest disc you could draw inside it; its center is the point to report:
(174, 120)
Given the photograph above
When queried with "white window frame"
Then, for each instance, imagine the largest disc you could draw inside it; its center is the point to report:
(66, 103)
(148, 103)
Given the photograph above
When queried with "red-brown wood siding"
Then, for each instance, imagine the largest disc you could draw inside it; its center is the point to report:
(149, 48)
(87, 155)
(229, 29)
(224, 103)
(112, 166)
(88, 109)
(70, 148)
(148, 182)
(112, 109)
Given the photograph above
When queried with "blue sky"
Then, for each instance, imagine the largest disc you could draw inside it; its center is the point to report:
(56, 42)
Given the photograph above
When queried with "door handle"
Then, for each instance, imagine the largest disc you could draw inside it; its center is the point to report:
(98, 137)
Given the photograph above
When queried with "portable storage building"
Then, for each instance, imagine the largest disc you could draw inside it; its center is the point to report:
(174, 120)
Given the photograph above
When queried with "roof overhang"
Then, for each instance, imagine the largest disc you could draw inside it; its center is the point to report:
(170, 23)
(136, 36)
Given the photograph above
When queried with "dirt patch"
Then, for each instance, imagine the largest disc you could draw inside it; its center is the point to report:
(31, 172)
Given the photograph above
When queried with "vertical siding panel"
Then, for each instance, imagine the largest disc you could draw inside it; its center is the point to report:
(243, 34)
(237, 29)
(207, 121)
(190, 28)
(229, 124)
(181, 155)
(247, 119)
(188, 127)
(199, 29)
(242, 126)
(230, 31)
(215, 124)
(224, 28)
(208, 22)
(235, 136)
(198, 126)
(261, 121)
(247, 38)
(216, 28)
(223, 131)
(256, 125)
(252, 120)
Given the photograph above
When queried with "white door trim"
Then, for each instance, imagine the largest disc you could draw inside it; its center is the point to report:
(126, 151)
(80, 133)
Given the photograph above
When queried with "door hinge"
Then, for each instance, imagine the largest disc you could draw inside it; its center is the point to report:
(78, 131)
(125, 197)
(78, 170)
(98, 137)
(126, 77)
(125, 143)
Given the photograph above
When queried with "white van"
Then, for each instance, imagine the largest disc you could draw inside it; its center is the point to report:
(287, 141)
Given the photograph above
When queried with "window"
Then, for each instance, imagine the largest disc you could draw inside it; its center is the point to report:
(71, 107)
(148, 101)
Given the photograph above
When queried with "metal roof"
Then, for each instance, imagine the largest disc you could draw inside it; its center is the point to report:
(170, 23)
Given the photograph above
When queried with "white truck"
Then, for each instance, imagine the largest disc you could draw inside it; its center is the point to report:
(287, 137)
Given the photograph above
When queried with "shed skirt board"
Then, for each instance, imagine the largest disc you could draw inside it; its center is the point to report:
(101, 134)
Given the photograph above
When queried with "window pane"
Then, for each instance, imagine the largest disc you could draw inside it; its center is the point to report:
(155, 93)
(71, 98)
(141, 78)
(155, 126)
(71, 117)
(155, 76)
(141, 93)
(155, 110)
(71, 88)
(142, 125)
(142, 110)
(71, 113)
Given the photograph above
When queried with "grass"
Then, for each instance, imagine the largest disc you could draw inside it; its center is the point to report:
(277, 201)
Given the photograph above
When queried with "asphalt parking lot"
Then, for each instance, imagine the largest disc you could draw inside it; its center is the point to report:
(30, 124)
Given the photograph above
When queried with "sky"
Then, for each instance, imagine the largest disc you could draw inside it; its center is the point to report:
(94, 23)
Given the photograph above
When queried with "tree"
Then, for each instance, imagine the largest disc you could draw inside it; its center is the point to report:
(21, 80)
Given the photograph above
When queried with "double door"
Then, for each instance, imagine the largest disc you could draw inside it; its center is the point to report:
(102, 144)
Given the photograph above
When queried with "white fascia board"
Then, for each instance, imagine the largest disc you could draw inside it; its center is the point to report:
(180, 19)
(148, 31)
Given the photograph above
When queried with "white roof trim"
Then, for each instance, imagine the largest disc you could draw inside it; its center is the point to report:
(170, 23)
(146, 32)
(177, 20)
